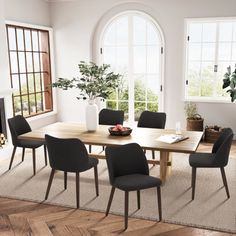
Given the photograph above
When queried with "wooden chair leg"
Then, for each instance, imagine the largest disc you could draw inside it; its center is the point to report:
(90, 148)
(96, 179)
(77, 189)
(23, 154)
(34, 161)
(225, 181)
(49, 183)
(126, 208)
(138, 199)
(45, 154)
(153, 154)
(110, 200)
(65, 180)
(194, 172)
(12, 157)
(159, 202)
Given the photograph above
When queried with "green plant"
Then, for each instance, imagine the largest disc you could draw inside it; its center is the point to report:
(190, 110)
(95, 81)
(230, 81)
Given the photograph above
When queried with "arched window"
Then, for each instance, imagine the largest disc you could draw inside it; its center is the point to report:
(133, 44)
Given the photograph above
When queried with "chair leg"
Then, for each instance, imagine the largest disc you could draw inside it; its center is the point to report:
(12, 156)
(23, 154)
(159, 202)
(90, 148)
(45, 154)
(110, 200)
(34, 161)
(65, 180)
(96, 179)
(225, 181)
(49, 183)
(77, 189)
(138, 198)
(103, 148)
(194, 172)
(126, 208)
(153, 154)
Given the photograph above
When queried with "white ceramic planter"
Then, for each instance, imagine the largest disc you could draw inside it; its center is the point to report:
(91, 116)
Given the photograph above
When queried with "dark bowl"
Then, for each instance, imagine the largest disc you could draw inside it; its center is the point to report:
(120, 132)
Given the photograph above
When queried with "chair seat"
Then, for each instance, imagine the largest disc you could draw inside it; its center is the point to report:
(29, 143)
(136, 182)
(202, 160)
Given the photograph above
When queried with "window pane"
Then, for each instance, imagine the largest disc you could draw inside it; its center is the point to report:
(225, 51)
(140, 88)
(111, 105)
(25, 105)
(17, 105)
(110, 35)
(207, 71)
(225, 31)
(22, 61)
(12, 38)
(31, 83)
(24, 86)
(195, 32)
(208, 51)
(194, 70)
(209, 32)
(139, 107)
(194, 51)
(234, 34)
(110, 55)
(125, 107)
(139, 25)
(39, 106)
(14, 62)
(15, 83)
(20, 40)
(122, 31)
(29, 62)
(32, 103)
(153, 57)
(123, 92)
(36, 62)
(152, 87)
(152, 36)
(35, 41)
(140, 59)
(38, 84)
(207, 88)
(28, 40)
(152, 106)
(234, 52)
(122, 59)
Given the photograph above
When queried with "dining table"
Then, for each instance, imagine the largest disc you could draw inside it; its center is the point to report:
(147, 138)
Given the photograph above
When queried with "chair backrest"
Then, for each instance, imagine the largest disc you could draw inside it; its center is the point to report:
(151, 119)
(111, 117)
(125, 160)
(222, 147)
(67, 154)
(18, 125)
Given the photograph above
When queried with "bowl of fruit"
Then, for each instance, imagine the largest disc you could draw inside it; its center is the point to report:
(120, 130)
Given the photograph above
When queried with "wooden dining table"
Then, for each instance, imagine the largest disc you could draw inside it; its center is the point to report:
(145, 137)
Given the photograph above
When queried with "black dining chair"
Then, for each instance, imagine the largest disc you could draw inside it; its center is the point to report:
(128, 171)
(110, 117)
(150, 119)
(218, 158)
(18, 125)
(69, 155)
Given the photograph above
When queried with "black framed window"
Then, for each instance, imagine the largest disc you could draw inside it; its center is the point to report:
(30, 70)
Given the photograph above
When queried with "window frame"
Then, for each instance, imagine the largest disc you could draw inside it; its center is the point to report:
(187, 22)
(146, 16)
(49, 30)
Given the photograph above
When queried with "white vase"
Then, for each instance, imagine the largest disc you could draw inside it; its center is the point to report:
(91, 116)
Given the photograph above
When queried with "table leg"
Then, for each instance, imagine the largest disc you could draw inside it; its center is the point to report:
(164, 157)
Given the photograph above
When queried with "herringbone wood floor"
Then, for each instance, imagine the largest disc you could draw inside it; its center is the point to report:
(29, 218)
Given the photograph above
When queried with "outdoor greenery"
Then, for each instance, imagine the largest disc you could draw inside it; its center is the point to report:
(230, 81)
(95, 81)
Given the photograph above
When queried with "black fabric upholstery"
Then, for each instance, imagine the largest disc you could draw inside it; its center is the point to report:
(149, 119)
(220, 152)
(124, 160)
(136, 182)
(111, 117)
(68, 155)
(18, 125)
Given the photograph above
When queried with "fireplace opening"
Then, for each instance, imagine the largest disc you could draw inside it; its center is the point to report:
(3, 127)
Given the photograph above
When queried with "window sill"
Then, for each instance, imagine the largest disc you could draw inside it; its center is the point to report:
(42, 116)
(209, 100)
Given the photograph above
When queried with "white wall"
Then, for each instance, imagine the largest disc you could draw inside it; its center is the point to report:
(75, 22)
(36, 12)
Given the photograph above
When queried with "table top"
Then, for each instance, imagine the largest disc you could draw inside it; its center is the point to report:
(145, 137)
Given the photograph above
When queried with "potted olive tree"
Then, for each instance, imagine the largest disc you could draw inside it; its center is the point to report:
(94, 82)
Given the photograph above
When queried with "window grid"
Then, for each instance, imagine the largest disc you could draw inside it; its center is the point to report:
(33, 95)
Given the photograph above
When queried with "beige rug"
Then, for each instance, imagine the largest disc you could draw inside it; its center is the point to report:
(210, 209)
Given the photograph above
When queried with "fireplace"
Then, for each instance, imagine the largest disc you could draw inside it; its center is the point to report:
(3, 127)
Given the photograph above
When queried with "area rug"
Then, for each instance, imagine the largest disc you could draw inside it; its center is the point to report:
(210, 209)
